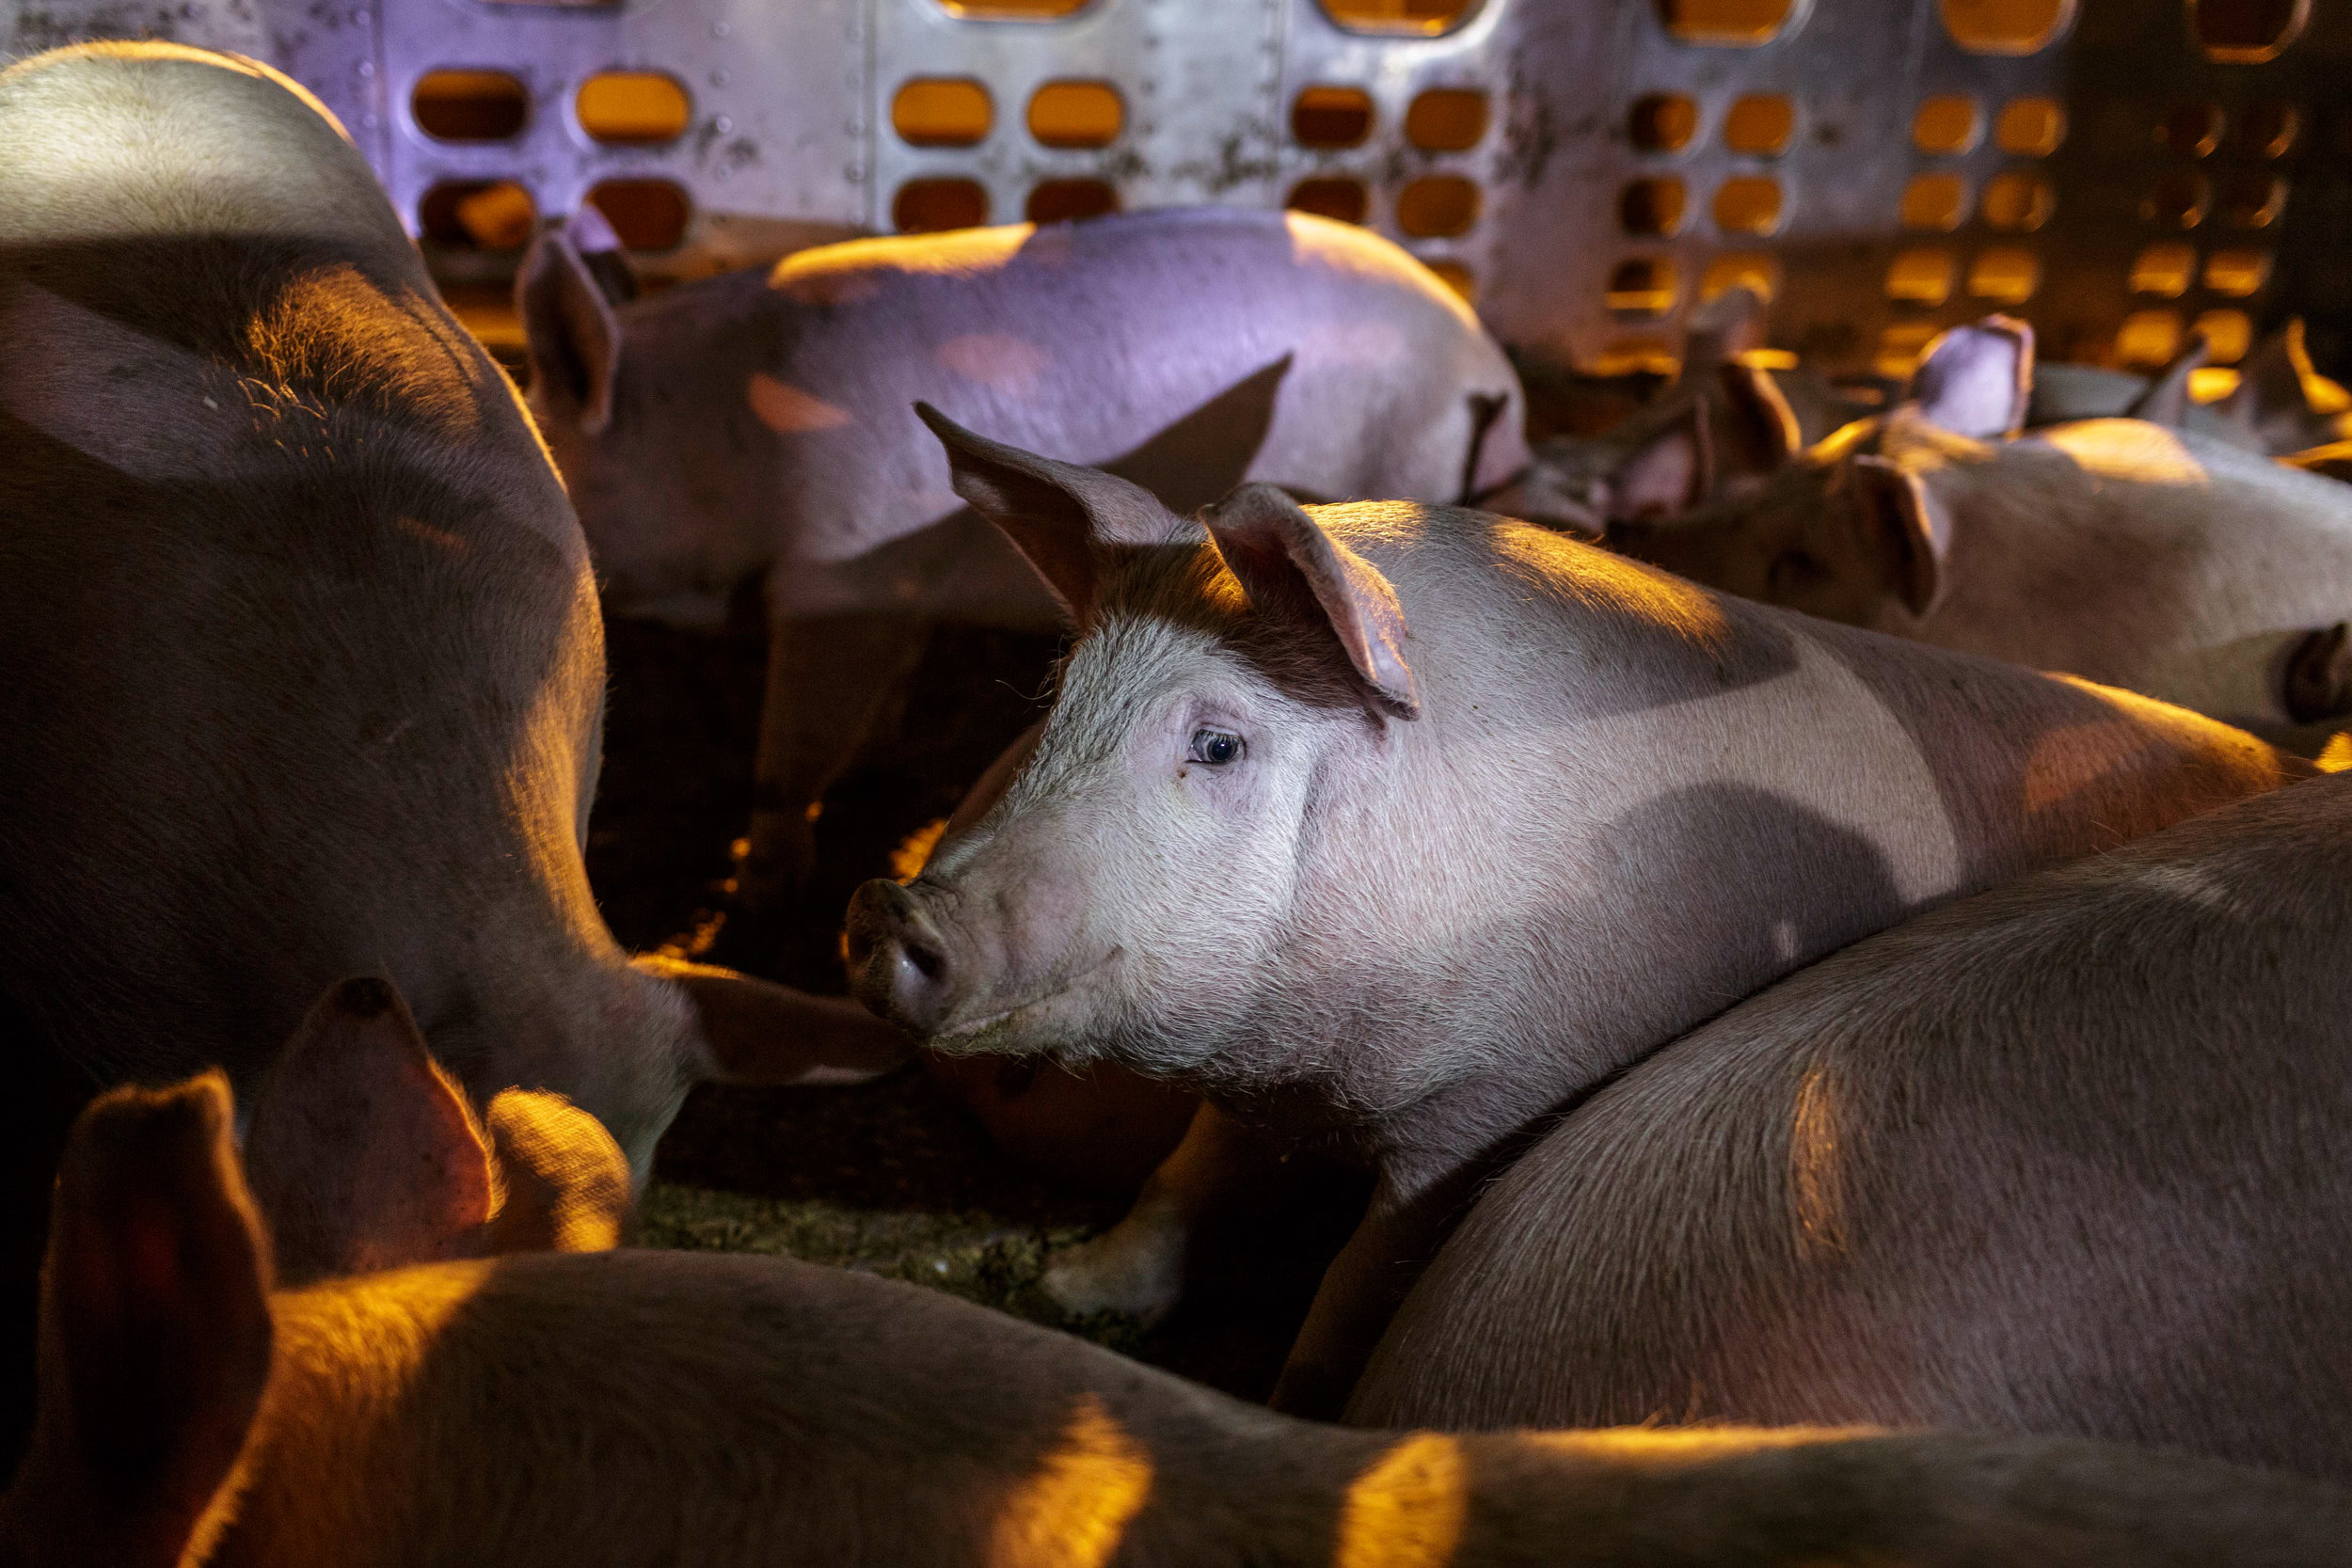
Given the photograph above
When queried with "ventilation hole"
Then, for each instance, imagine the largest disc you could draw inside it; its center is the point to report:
(2246, 32)
(2004, 274)
(1644, 286)
(1068, 200)
(478, 215)
(1899, 348)
(1345, 199)
(1425, 16)
(468, 105)
(2030, 127)
(1636, 356)
(1446, 119)
(1651, 206)
(633, 108)
(1077, 114)
(2250, 200)
(1742, 24)
(1332, 116)
(1937, 201)
(2019, 203)
(1437, 206)
(647, 215)
(926, 206)
(1011, 10)
(2266, 130)
(2179, 201)
(1946, 123)
(2166, 270)
(1920, 278)
(2192, 130)
(1758, 271)
(1748, 204)
(1456, 276)
(2005, 26)
(2236, 273)
(2227, 333)
(1663, 122)
(2148, 337)
(942, 111)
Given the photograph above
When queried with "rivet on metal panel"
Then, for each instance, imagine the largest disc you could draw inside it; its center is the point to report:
(2148, 337)
(942, 111)
(1652, 206)
(647, 215)
(1332, 116)
(2266, 130)
(1437, 206)
(1423, 17)
(1758, 270)
(1643, 286)
(2192, 130)
(2250, 200)
(2246, 32)
(1663, 122)
(1759, 124)
(2018, 202)
(2237, 272)
(1947, 122)
(1446, 119)
(1740, 23)
(1067, 200)
(2005, 26)
(632, 107)
(922, 206)
(2179, 200)
(2030, 127)
(1935, 202)
(2227, 333)
(1345, 199)
(1920, 278)
(1748, 204)
(468, 105)
(2166, 269)
(1077, 114)
(477, 215)
(2004, 274)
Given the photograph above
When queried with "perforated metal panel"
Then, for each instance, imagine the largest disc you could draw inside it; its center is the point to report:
(789, 141)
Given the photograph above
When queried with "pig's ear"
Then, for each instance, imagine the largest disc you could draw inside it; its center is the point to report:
(1061, 515)
(1671, 472)
(1904, 526)
(573, 337)
(2274, 396)
(1976, 380)
(1721, 330)
(1288, 565)
(2165, 402)
(362, 1152)
(565, 1181)
(753, 1031)
(2316, 680)
(599, 246)
(154, 1332)
(1769, 428)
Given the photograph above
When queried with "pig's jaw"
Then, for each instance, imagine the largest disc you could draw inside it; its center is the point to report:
(1055, 1023)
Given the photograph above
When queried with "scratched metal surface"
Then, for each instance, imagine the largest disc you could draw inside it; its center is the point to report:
(790, 142)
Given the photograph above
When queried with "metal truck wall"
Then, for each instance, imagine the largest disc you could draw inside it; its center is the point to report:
(2115, 170)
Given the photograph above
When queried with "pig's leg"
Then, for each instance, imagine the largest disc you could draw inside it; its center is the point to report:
(829, 679)
(1138, 1264)
(1407, 1221)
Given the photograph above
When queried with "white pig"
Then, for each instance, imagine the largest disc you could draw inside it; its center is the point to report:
(759, 422)
(643, 1407)
(1406, 825)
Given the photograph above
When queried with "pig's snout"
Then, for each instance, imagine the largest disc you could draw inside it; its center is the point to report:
(898, 965)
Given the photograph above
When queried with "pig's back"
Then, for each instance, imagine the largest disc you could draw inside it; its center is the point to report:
(2063, 1157)
(1210, 347)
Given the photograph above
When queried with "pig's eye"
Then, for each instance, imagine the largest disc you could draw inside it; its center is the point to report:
(1214, 747)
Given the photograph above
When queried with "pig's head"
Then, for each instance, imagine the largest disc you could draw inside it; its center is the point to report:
(1216, 779)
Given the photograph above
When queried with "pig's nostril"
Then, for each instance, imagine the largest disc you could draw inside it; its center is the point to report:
(927, 962)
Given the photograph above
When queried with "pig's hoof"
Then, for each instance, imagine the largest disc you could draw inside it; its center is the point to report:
(1117, 1271)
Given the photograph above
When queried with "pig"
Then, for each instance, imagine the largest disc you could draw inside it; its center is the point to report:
(2279, 405)
(1401, 827)
(631, 1407)
(757, 424)
(2062, 1158)
(2119, 551)
(306, 671)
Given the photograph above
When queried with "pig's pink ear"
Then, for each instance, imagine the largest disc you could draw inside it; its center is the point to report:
(1976, 380)
(154, 1332)
(565, 1181)
(599, 247)
(1671, 472)
(753, 1031)
(573, 335)
(2273, 399)
(1064, 517)
(1769, 425)
(2167, 402)
(1904, 525)
(1721, 330)
(362, 1152)
(1275, 550)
